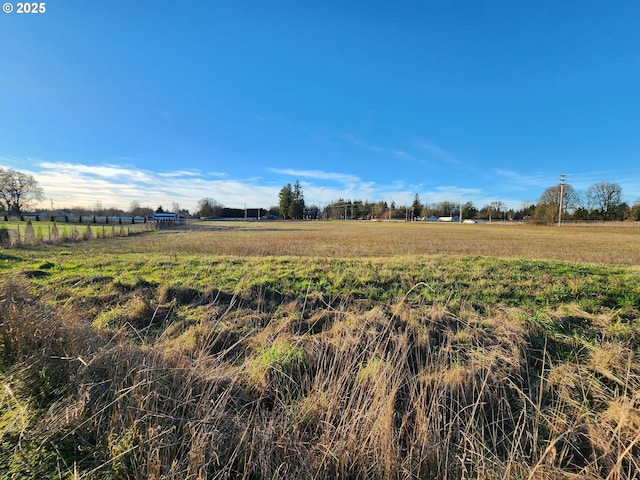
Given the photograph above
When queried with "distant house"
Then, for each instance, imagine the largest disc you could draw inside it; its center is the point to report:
(432, 218)
(165, 217)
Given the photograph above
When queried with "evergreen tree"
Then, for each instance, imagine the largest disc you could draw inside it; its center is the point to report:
(416, 207)
(286, 198)
(296, 207)
(469, 211)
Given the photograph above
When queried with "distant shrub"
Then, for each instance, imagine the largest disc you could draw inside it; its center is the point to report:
(66, 219)
(94, 219)
(53, 219)
(4, 236)
(37, 218)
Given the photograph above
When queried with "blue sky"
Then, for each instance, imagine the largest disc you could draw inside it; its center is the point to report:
(164, 102)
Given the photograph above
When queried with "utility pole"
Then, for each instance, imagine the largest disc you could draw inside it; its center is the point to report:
(562, 175)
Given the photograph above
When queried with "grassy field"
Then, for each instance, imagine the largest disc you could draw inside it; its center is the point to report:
(324, 350)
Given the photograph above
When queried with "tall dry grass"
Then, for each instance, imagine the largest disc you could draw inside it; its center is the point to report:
(313, 388)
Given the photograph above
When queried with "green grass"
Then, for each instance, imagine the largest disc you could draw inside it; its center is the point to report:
(323, 350)
(480, 282)
(30, 233)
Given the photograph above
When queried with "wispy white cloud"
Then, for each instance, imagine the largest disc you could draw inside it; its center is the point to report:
(451, 193)
(180, 173)
(435, 150)
(217, 174)
(430, 147)
(392, 151)
(69, 184)
(318, 175)
(105, 171)
(361, 143)
(399, 153)
(522, 181)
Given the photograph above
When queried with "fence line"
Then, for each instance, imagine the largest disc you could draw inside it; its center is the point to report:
(30, 234)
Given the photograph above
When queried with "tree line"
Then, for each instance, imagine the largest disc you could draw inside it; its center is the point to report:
(600, 202)
(383, 210)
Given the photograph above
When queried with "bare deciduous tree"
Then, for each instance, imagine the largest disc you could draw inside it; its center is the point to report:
(605, 197)
(18, 191)
(548, 205)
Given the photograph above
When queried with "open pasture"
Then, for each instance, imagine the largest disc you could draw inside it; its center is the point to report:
(324, 350)
(586, 244)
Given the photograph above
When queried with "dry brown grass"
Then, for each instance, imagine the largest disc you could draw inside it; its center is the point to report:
(177, 356)
(592, 244)
(379, 391)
